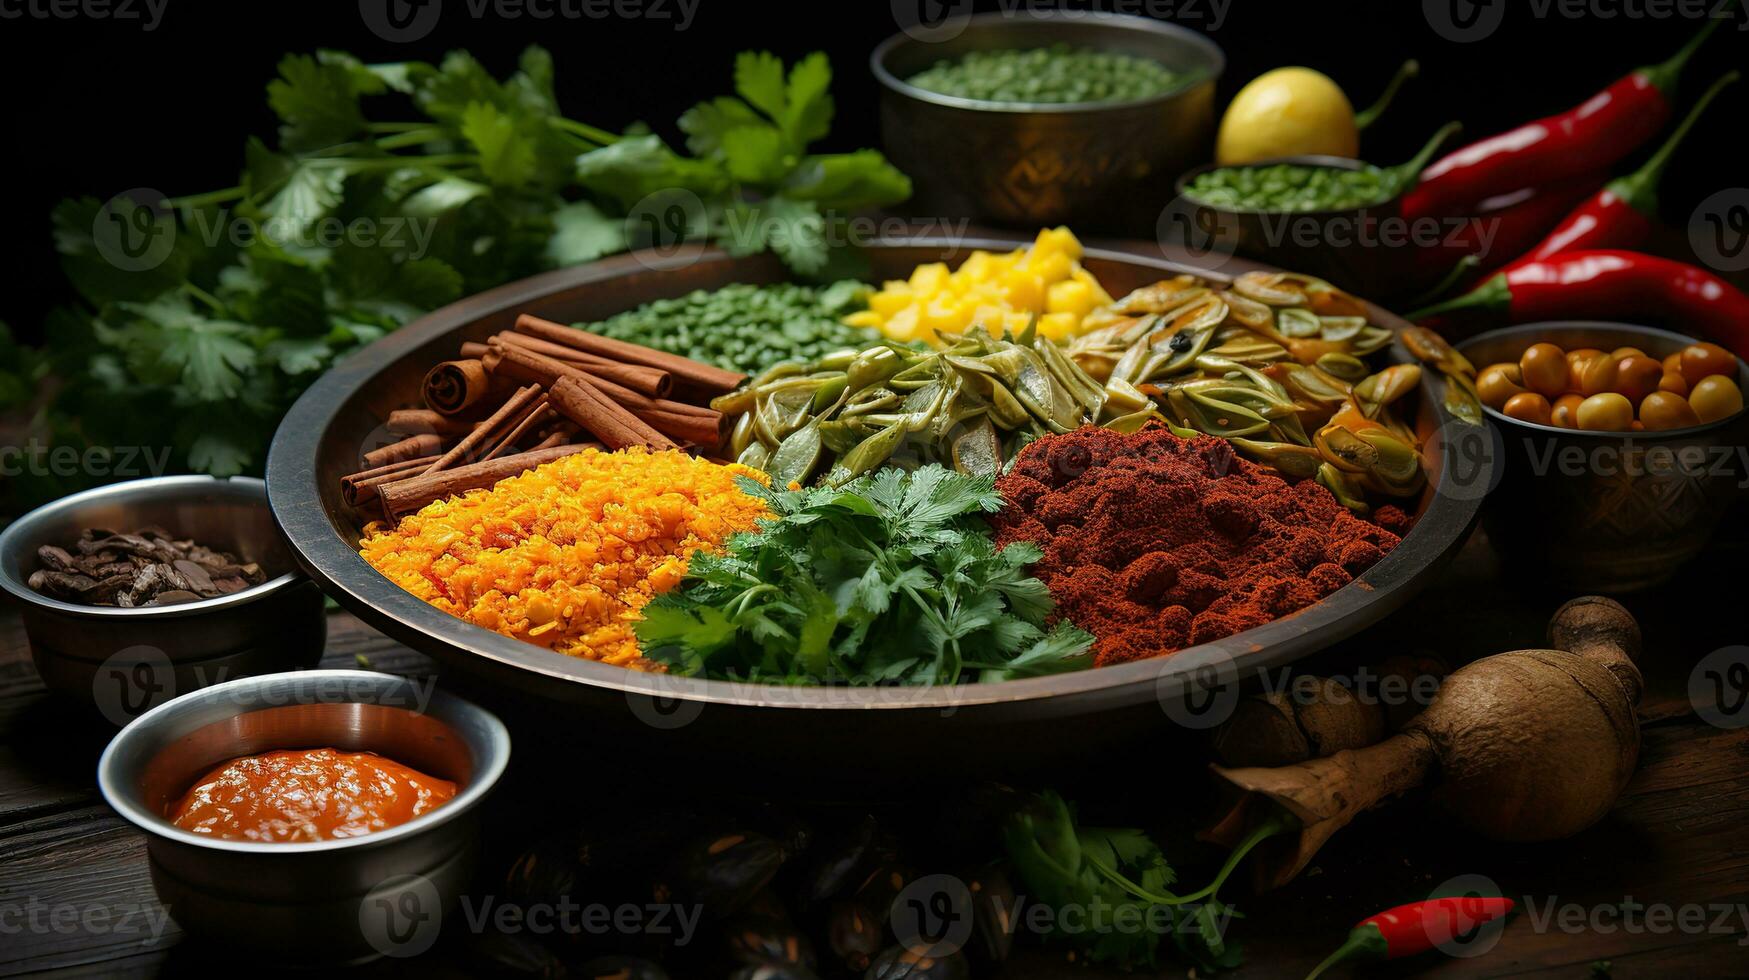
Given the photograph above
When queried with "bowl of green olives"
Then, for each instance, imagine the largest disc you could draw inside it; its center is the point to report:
(1592, 497)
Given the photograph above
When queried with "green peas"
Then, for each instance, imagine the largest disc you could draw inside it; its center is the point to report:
(1293, 187)
(743, 327)
(1057, 74)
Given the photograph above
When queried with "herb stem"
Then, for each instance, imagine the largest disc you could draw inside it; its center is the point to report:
(1276, 824)
(210, 197)
(412, 137)
(600, 136)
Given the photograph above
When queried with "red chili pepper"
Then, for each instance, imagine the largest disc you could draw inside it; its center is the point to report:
(1592, 136)
(1505, 226)
(1621, 215)
(1611, 284)
(1415, 928)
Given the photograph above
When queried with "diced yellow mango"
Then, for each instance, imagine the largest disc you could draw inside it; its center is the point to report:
(979, 267)
(1069, 297)
(1058, 326)
(864, 318)
(943, 314)
(902, 326)
(929, 278)
(1060, 240)
(1026, 289)
(1051, 266)
(1016, 321)
(890, 300)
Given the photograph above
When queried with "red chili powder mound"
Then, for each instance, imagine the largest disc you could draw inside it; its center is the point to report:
(1154, 543)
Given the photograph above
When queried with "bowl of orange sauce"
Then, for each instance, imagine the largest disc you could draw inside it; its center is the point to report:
(314, 817)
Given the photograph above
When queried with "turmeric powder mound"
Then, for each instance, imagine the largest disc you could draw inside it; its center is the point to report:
(565, 555)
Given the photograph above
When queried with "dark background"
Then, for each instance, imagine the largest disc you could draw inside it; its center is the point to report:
(98, 106)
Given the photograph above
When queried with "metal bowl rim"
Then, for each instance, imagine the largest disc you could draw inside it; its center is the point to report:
(877, 65)
(494, 758)
(20, 527)
(1632, 328)
(348, 578)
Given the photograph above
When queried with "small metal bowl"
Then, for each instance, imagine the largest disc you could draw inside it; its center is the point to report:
(1346, 246)
(1108, 166)
(332, 901)
(1606, 511)
(125, 661)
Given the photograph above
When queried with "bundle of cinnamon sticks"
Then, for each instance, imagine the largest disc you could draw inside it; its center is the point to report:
(531, 395)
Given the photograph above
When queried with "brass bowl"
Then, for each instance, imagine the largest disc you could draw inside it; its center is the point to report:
(320, 439)
(331, 901)
(1108, 166)
(1607, 511)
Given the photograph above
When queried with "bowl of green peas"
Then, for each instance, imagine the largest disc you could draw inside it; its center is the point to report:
(1048, 117)
(1333, 217)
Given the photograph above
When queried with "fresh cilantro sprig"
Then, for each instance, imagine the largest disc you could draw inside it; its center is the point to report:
(758, 186)
(357, 220)
(1115, 880)
(892, 578)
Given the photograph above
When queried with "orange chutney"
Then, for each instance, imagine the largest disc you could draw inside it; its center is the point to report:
(307, 795)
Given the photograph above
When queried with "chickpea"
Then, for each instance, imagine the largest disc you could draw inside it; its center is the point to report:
(1597, 375)
(1637, 376)
(1673, 363)
(1544, 370)
(1576, 361)
(1674, 383)
(1663, 410)
(1499, 382)
(1714, 397)
(1621, 353)
(1606, 412)
(1703, 360)
(1528, 407)
(1566, 411)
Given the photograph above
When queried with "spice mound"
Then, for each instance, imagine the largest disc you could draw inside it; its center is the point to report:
(566, 554)
(149, 567)
(307, 795)
(1154, 542)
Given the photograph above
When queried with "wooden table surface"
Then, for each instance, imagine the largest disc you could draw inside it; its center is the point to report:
(75, 896)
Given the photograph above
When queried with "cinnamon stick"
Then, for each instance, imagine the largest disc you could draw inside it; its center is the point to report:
(602, 418)
(705, 433)
(417, 421)
(408, 495)
(536, 416)
(489, 434)
(360, 488)
(452, 386)
(412, 447)
(650, 381)
(685, 371)
(474, 350)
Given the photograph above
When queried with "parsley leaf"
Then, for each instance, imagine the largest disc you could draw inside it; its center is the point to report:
(892, 578)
